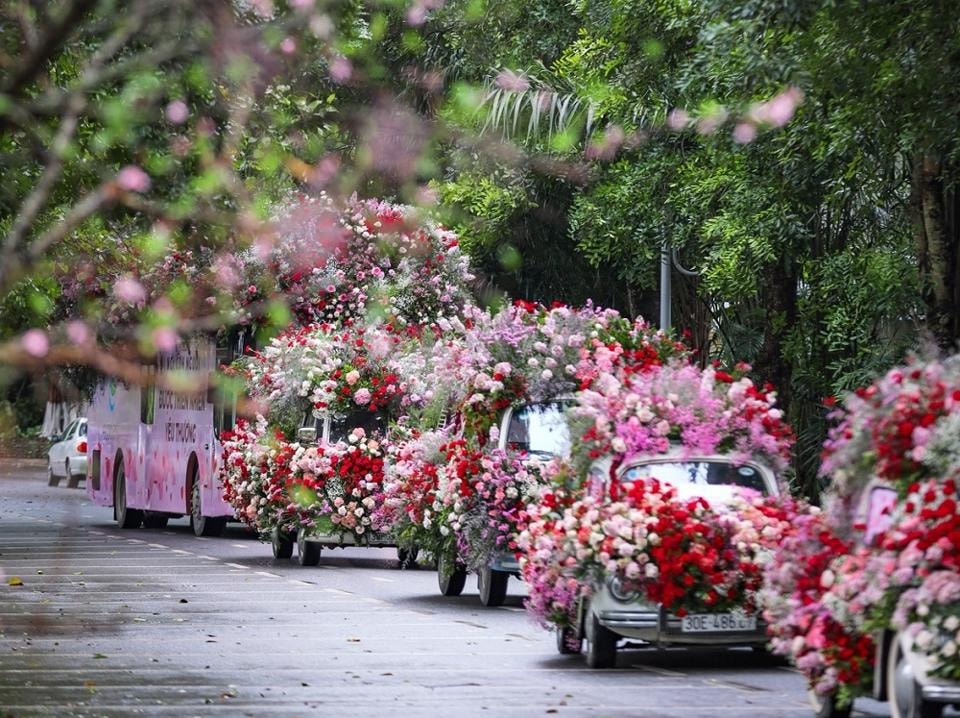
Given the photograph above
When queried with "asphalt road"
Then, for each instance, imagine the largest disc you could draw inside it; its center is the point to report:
(109, 622)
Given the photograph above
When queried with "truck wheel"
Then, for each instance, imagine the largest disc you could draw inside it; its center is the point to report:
(451, 576)
(825, 706)
(282, 544)
(601, 644)
(493, 586)
(308, 552)
(203, 525)
(903, 690)
(127, 518)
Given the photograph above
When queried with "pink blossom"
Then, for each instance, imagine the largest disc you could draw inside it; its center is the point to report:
(288, 46)
(164, 339)
(512, 81)
(35, 342)
(341, 69)
(130, 291)
(362, 397)
(78, 332)
(678, 119)
(133, 179)
(779, 110)
(177, 112)
(744, 133)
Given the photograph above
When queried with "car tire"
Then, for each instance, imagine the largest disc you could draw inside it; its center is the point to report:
(450, 578)
(282, 544)
(407, 557)
(308, 552)
(601, 644)
(493, 586)
(127, 518)
(52, 478)
(903, 690)
(154, 520)
(203, 525)
(73, 480)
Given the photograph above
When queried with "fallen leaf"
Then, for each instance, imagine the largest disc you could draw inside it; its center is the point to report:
(99, 655)
(14, 581)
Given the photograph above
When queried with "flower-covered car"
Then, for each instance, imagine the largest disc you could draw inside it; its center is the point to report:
(343, 447)
(865, 597)
(659, 525)
(532, 433)
(625, 608)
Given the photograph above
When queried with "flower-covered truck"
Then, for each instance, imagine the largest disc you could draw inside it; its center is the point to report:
(657, 529)
(865, 597)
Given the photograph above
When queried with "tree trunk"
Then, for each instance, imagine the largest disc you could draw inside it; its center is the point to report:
(936, 243)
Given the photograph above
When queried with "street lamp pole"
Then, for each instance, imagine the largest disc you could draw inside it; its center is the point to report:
(666, 318)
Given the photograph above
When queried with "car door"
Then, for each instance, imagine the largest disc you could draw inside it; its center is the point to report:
(58, 452)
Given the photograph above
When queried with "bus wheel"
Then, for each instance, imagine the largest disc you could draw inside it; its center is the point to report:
(308, 552)
(493, 586)
(153, 520)
(127, 518)
(450, 578)
(904, 691)
(203, 525)
(282, 544)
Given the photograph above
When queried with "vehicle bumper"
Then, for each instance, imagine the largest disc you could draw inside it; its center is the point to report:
(347, 538)
(78, 465)
(506, 562)
(652, 624)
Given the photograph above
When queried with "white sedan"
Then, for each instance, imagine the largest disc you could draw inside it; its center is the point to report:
(68, 455)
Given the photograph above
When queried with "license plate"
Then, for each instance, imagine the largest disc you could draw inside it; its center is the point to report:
(717, 622)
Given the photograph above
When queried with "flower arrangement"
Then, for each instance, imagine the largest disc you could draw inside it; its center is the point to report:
(255, 471)
(685, 555)
(338, 488)
(702, 410)
(898, 569)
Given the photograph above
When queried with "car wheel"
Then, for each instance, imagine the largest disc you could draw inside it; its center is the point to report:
(127, 518)
(903, 690)
(407, 557)
(568, 642)
(73, 480)
(52, 478)
(154, 520)
(601, 644)
(493, 586)
(203, 525)
(451, 576)
(282, 544)
(308, 552)
(826, 706)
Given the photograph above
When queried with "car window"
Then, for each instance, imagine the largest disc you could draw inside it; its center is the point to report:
(341, 427)
(83, 429)
(540, 429)
(68, 432)
(697, 476)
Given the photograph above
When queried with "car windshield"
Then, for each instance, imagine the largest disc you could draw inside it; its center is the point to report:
(540, 429)
(710, 479)
(341, 427)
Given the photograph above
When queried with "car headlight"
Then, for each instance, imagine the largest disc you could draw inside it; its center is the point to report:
(618, 591)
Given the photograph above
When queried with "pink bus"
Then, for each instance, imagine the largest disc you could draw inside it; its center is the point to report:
(153, 452)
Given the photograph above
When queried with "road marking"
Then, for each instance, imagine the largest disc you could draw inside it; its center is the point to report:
(381, 580)
(267, 573)
(238, 545)
(237, 565)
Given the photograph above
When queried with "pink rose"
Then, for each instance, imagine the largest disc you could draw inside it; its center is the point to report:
(362, 397)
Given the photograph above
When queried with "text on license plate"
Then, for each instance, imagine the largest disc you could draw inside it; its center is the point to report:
(710, 622)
